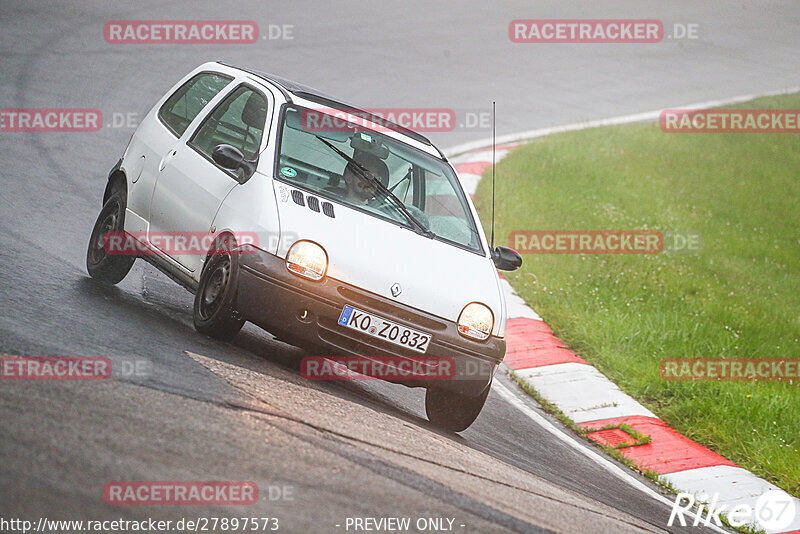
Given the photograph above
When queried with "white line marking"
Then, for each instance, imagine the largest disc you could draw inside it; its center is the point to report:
(625, 119)
(606, 464)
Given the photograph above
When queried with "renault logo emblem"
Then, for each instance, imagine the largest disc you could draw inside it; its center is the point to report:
(396, 290)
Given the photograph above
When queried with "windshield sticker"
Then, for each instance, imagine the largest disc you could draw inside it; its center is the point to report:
(288, 172)
(366, 137)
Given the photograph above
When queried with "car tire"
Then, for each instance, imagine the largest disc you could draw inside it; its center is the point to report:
(452, 411)
(110, 268)
(215, 312)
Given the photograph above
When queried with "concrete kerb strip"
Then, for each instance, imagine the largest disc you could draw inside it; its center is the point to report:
(586, 396)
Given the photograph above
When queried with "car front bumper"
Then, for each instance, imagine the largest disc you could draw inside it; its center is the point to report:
(305, 313)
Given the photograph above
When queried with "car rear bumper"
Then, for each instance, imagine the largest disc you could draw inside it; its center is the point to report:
(305, 313)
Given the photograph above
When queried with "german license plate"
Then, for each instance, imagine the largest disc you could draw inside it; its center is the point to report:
(385, 329)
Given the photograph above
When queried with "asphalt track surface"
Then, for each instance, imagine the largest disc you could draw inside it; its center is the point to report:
(204, 410)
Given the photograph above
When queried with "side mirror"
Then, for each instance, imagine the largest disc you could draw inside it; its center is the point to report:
(227, 157)
(506, 259)
(231, 158)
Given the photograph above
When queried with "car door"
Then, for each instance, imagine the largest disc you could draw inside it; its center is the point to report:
(191, 186)
(160, 133)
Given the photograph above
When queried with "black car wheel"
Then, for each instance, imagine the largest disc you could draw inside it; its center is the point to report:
(215, 312)
(452, 411)
(101, 265)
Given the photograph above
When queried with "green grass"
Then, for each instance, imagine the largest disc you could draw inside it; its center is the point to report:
(738, 297)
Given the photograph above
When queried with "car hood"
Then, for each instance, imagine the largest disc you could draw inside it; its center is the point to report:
(374, 255)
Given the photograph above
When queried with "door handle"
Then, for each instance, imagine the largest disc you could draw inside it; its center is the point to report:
(166, 159)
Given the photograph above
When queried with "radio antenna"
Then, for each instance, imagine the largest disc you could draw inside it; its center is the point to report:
(493, 165)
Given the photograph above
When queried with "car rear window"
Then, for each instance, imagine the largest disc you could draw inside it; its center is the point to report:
(188, 101)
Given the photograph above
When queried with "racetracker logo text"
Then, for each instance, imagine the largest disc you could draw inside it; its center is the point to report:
(587, 241)
(416, 119)
(50, 120)
(181, 493)
(736, 369)
(585, 31)
(55, 367)
(377, 368)
(730, 121)
(180, 32)
(176, 244)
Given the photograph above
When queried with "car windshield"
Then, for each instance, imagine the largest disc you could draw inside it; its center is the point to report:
(328, 155)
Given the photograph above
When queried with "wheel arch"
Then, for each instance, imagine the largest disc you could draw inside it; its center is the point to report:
(116, 180)
(222, 234)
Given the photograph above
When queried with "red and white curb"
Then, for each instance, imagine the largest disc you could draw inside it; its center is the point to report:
(591, 400)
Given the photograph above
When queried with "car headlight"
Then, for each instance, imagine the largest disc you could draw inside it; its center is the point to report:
(307, 259)
(476, 321)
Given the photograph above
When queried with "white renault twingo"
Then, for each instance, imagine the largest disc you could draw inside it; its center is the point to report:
(331, 228)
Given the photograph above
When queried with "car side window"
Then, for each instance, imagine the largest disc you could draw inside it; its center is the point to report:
(238, 121)
(185, 104)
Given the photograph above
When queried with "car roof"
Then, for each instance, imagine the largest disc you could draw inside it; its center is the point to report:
(309, 93)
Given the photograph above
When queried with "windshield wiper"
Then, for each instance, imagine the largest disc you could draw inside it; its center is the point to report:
(367, 175)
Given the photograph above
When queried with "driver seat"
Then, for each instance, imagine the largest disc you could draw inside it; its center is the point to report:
(372, 163)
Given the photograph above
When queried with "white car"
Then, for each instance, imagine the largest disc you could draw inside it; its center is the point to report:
(354, 239)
